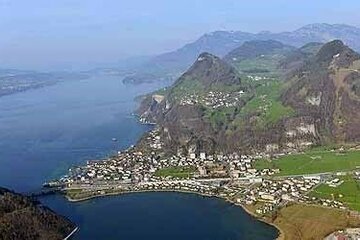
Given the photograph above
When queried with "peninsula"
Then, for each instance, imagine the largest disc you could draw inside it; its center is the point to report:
(272, 128)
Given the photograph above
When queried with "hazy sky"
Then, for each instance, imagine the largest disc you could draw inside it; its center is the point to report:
(64, 33)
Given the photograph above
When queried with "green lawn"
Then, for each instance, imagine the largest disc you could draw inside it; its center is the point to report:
(313, 161)
(347, 193)
(178, 172)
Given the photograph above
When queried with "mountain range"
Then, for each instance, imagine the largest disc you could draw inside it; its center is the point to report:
(170, 65)
(293, 98)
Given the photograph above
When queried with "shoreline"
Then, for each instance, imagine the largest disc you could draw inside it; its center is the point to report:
(281, 234)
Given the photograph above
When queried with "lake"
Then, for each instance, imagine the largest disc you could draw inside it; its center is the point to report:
(43, 132)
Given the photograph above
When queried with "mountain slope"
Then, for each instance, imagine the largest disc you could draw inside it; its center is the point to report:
(209, 70)
(256, 48)
(194, 110)
(295, 59)
(326, 90)
(259, 56)
(21, 218)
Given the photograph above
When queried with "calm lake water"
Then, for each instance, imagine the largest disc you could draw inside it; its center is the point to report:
(45, 131)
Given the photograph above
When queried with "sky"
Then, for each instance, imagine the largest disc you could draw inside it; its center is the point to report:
(72, 34)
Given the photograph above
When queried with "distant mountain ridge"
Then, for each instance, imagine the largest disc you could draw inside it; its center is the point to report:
(259, 56)
(256, 48)
(219, 43)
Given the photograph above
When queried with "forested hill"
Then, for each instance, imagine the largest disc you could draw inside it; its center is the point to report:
(22, 218)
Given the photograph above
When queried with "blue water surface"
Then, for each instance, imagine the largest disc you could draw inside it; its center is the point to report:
(45, 131)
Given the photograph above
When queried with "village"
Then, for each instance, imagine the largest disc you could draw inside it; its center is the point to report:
(214, 99)
(232, 177)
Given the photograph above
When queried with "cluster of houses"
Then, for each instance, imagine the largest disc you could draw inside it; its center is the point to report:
(137, 167)
(214, 99)
(266, 103)
(334, 182)
(183, 185)
(347, 234)
(357, 175)
(154, 140)
(276, 191)
(256, 78)
(130, 166)
(266, 208)
(218, 174)
(237, 166)
(329, 203)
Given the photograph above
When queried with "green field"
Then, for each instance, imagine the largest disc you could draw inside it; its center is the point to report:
(267, 103)
(348, 192)
(177, 172)
(186, 87)
(313, 161)
(266, 64)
